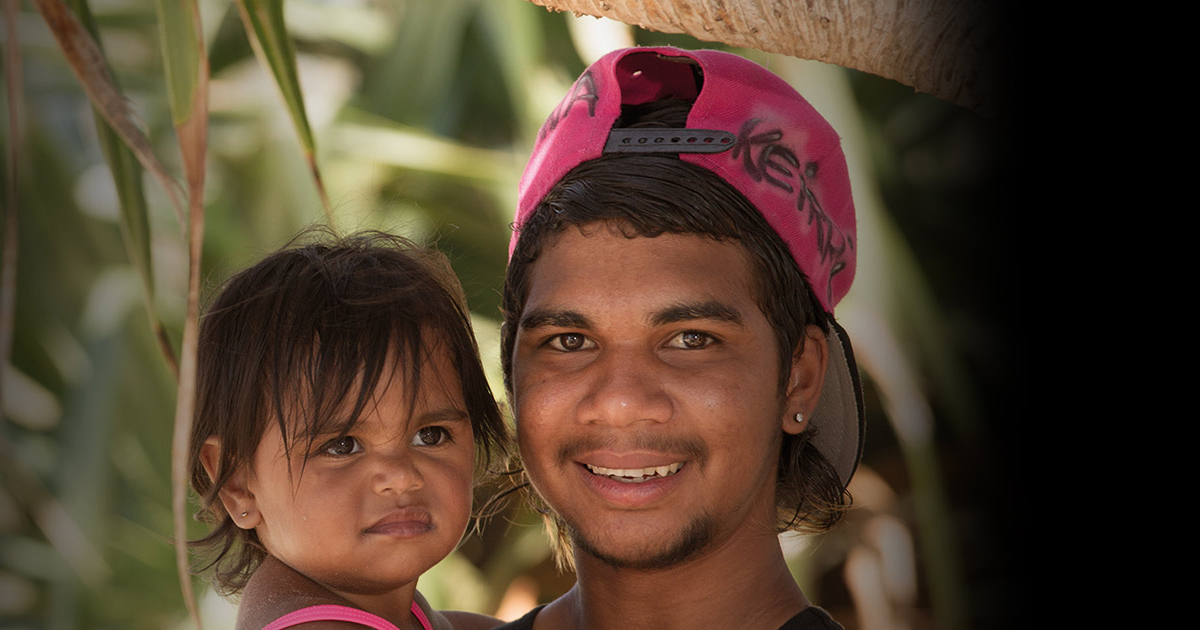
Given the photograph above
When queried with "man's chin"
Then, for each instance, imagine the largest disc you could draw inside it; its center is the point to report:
(639, 556)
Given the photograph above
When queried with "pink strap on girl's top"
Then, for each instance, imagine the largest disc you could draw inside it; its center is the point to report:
(331, 612)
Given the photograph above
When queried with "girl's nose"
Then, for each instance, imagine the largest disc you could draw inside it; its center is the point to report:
(396, 473)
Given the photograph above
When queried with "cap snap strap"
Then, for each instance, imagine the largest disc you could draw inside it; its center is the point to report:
(668, 141)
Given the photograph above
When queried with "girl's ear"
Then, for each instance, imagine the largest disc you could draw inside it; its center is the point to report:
(234, 493)
(805, 380)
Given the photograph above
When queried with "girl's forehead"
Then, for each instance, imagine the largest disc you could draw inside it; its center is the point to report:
(410, 376)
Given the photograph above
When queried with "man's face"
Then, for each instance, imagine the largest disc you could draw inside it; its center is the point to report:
(646, 390)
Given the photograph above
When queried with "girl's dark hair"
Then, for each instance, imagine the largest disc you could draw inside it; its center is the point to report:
(646, 195)
(318, 324)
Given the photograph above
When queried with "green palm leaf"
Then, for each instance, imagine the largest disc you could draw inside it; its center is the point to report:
(126, 168)
(187, 81)
(273, 46)
(8, 242)
(87, 62)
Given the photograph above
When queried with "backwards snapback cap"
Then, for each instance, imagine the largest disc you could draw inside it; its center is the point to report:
(754, 131)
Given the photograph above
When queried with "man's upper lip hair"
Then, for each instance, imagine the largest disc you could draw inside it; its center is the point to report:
(632, 450)
(635, 459)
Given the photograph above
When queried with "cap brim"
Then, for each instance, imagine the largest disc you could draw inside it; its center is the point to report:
(838, 418)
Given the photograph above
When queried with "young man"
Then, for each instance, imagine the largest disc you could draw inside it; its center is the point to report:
(681, 390)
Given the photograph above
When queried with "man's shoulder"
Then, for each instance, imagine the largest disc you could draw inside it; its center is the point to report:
(524, 623)
(812, 618)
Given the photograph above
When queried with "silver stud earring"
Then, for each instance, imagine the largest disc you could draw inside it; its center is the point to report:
(799, 418)
(244, 514)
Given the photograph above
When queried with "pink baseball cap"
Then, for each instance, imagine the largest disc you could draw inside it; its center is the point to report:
(755, 132)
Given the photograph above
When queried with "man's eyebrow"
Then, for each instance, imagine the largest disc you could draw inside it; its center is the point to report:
(711, 309)
(558, 318)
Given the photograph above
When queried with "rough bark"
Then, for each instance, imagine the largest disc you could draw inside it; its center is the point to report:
(947, 48)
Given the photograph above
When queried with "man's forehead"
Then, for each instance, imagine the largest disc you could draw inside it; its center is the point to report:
(622, 237)
(670, 276)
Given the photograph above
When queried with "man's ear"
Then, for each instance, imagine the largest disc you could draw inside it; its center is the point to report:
(805, 380)
(234, 493)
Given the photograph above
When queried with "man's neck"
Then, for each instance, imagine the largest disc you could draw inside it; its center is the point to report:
(741, 584)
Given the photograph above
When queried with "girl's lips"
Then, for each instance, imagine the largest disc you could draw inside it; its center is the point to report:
(403, 523)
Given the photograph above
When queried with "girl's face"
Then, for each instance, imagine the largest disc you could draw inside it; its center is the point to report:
(371, 511)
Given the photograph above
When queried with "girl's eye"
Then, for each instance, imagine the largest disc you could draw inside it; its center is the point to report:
(570, 342)
(430, 436)
(342, 446)
(691, 340)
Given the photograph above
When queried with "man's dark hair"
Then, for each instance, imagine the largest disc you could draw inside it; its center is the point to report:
(646, 195)
(307, 333)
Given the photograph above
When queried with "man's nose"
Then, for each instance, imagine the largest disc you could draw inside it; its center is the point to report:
(625, 387)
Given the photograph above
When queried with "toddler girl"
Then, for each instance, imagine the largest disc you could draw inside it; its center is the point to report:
(341, 415)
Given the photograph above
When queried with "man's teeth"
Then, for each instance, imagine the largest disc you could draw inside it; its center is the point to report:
(636, 475)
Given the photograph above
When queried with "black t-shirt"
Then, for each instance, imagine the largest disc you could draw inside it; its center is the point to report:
(811, 618)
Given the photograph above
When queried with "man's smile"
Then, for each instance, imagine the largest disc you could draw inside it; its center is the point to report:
(636, 475)
(632, 480)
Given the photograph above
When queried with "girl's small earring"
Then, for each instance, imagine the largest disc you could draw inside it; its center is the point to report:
(246, 513)
(799, 420)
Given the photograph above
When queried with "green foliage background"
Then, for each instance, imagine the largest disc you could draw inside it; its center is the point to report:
(422, 114)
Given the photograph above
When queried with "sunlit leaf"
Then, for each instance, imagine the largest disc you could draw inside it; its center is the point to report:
(178, 27)
(512, 35)
(135, 227)
(87, 62)
(377, 139)
(134, 222)
(405, 91)
(268, 33)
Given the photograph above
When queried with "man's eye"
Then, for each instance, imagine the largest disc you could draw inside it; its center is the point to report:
(569, 342)
(691, 340)
(342, 446)
(430, 436)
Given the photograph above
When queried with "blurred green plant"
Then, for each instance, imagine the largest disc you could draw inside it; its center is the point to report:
(420, 115)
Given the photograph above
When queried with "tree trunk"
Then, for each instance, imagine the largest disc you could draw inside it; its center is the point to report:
(948, 48)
